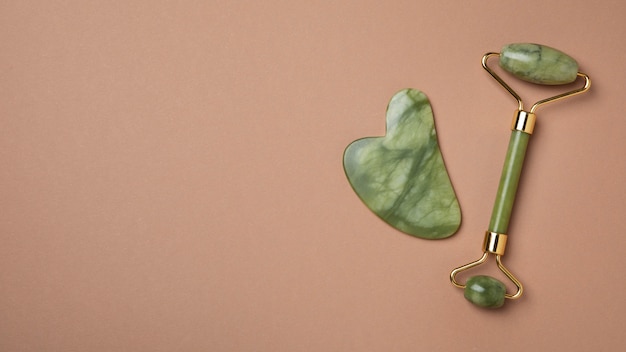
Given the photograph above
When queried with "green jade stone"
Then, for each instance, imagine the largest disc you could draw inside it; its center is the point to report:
(509, 181)
(485, 291)
(538, 64)
(401, 177)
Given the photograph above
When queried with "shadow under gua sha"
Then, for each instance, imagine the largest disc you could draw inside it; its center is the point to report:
(401, 176)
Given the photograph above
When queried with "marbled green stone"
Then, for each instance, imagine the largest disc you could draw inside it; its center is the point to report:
(485, 291)
(509, 181)
(402, 177)
(538, 64)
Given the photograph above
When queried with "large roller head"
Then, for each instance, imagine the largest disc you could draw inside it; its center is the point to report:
(538, 64)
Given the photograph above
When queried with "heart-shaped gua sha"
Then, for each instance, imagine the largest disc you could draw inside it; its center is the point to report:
(402, 177)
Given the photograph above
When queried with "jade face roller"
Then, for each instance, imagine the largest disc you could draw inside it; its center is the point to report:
(536, 64)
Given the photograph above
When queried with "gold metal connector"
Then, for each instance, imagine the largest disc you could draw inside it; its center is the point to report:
(495, 243)
(523, 121)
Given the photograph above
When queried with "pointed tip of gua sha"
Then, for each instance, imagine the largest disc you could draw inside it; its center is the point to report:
(401, 176)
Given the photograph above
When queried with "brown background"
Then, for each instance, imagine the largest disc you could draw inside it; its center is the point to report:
(171, 177)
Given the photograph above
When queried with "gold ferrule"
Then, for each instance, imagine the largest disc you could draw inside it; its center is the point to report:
(494, 243)
(523, 121)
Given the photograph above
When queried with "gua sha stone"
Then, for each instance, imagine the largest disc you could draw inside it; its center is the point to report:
(401, 177)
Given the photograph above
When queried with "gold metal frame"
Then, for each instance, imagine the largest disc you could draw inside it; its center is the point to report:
(495, 244)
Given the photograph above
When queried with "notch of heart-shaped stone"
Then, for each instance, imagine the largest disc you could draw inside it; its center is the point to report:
(401, 177)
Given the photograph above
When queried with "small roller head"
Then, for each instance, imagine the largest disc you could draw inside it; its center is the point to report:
(538, 64)
(485, 291)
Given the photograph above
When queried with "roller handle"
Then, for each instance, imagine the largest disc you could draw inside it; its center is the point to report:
(538, 64)
(509, 181)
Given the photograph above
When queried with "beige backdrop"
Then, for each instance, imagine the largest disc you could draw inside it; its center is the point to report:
(171, 177)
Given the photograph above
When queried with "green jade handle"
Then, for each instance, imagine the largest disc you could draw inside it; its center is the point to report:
(509, 180)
